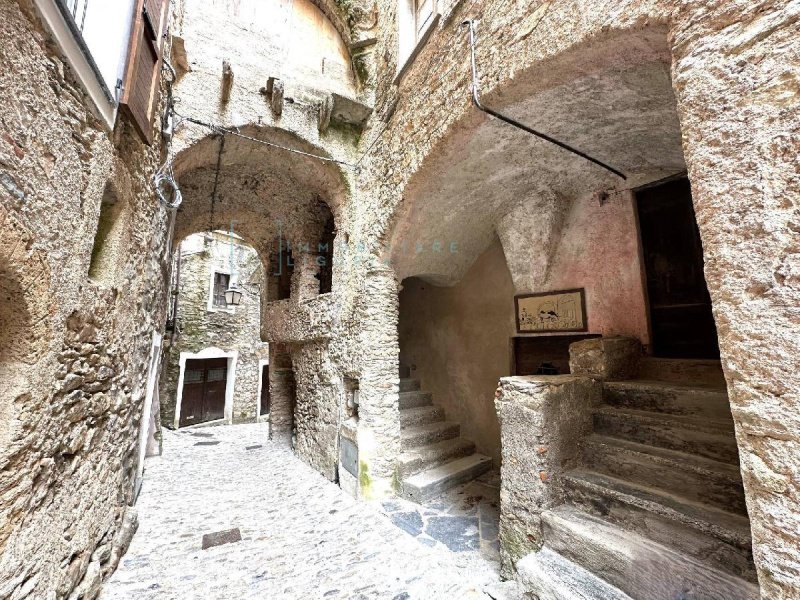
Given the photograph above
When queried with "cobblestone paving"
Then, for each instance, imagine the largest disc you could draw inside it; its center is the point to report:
(302, 538)
(465, 519)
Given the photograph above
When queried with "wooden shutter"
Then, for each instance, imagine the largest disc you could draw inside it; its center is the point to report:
(140, 87)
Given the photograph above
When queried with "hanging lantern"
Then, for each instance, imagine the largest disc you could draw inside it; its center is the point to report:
(233, 296)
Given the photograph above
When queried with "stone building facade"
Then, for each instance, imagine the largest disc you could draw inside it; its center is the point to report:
(203, 328)
(84, 257)
(361, 115)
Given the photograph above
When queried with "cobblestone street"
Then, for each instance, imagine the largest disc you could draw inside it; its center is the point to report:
(301, 537)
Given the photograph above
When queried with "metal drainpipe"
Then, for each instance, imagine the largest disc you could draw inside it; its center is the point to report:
(477, 102)
(176, 290)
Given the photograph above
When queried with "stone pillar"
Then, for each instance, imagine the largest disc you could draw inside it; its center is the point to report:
(379, 418)
(305, 284)
(606, 358)
(281, 393)
(317, 412)
(736, 83)
(543, 418)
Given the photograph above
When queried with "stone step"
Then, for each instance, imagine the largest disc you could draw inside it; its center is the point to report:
(429, 433)
(711, 438)
(409, 385)
(415, 399)
(432, 482)
(694, 477)
(635, 564)
(411, 417)
(685, 371)
(701, 531)
(668, 397)
(416, 460)
(550, 576)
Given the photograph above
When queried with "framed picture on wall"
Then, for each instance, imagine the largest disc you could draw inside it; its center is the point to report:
(551, 312)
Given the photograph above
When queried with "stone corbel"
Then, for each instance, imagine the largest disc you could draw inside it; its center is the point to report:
(274, 91)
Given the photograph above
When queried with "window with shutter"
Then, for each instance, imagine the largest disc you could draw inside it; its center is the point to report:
(221, 283)
(140, 86)
(416, 20)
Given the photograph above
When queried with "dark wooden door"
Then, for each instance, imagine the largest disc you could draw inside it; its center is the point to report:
(204, 384)
(264, 390)
(682, 325)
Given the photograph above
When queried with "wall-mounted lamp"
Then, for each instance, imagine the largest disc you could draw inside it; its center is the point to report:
(233, 295)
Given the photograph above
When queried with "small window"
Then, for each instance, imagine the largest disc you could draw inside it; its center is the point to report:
(108, 240)
(193, 376)
(217, 374)
(221, 283)
(416, 19)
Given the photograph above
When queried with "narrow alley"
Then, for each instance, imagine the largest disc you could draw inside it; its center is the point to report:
(301, 536)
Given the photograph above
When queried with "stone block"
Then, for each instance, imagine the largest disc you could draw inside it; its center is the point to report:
(542, 420)
(606, 358)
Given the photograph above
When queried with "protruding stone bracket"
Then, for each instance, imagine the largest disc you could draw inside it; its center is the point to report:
(274, 91)
(227, 81)
(344, 110)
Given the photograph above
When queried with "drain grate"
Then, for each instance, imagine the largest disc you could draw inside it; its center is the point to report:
(218, 538)
(256, 446)
(214, 443)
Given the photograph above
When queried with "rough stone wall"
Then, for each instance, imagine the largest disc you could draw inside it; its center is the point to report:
(199, 328)
(543, 420)
(74, 372)
(741, 128)
(736, 88)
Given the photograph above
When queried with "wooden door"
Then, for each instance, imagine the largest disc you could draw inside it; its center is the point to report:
(204, 385)
(681, 322)
(264, 390)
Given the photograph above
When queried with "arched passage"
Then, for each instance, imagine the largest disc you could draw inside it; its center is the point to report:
(490, 197)
(286, 206)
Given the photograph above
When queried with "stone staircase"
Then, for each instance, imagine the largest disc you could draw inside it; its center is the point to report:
(656, 508)
(434, 456)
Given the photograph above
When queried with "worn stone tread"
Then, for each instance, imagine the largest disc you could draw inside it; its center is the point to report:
(428, 433)
(700, 479)
(415, 399)
(711, 438)
(635, 564)
(668, 397)
(414, 460)
(728, 527)
(550, 576)
(436, 480)
(411, 417)
(408, 384)
(683, 370)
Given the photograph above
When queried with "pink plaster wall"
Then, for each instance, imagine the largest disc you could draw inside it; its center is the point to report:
(457, 338)
(599, 251)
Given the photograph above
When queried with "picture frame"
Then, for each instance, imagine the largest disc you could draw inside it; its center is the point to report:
(551, 312)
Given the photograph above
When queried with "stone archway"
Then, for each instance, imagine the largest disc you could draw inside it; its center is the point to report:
(282, 203)
(625, 98)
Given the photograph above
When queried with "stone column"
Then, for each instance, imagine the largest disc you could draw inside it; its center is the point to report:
(305, 284)
(317, 411)
(281, 393)
(543, 418)
(379, 418)
(736, 83)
